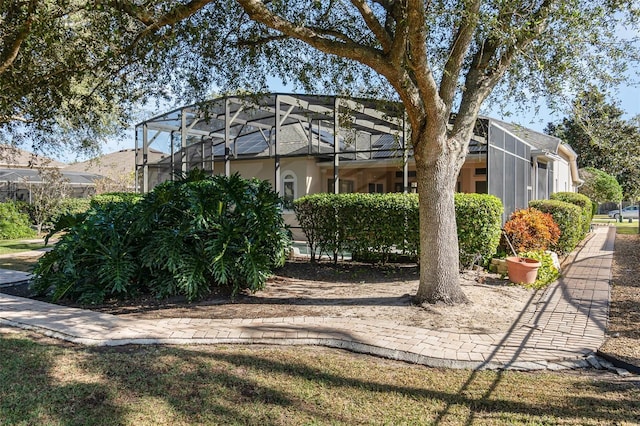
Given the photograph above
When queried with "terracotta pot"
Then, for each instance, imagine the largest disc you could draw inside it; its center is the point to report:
(522, 270)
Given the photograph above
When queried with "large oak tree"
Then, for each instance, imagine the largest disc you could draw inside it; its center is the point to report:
(441, 58)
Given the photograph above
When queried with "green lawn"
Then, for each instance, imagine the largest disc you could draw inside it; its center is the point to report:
(622, 227)
(17, 246)
(256, 385)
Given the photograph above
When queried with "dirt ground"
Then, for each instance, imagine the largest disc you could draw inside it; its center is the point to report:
(624, 319)
(355, 291)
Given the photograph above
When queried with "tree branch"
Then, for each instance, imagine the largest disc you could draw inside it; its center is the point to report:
(489, 65)
(418, 62)
(374, 25)
(180, 12)
(11, 53)
(369, 56)
(458, 52)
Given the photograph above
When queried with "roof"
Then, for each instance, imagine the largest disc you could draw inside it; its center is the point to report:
(536, 139)
(32, 176)
(14, 157)
(113, 164)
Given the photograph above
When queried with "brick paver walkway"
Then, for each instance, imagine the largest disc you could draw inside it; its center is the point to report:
(558, 331)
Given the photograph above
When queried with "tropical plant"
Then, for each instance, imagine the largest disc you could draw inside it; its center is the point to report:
(187, 237)
(94, 259)
(223, 230)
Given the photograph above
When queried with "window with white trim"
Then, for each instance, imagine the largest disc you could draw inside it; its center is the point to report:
(289, 189)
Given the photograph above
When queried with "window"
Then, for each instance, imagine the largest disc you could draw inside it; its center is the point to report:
(481, 171)
(289, 189)
(376, 188)
(346, 186)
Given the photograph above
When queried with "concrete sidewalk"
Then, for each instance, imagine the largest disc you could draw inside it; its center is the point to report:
(559, 331)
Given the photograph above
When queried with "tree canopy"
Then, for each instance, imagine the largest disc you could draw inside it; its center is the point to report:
(69, 73)
(600, 186)
(603, 139)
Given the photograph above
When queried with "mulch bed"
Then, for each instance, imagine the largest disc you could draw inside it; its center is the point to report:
(623, 340)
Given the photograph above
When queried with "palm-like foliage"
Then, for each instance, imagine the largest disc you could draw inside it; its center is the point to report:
(186, 237)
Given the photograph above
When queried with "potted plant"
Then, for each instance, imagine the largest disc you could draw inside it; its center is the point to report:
(522, 270)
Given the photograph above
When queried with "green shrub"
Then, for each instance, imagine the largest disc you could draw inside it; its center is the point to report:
(310, 212)
(379, 226)
(184, 238)
(69, 206)
(13, 223)
(227, 231)
(478, 218)
(531, 229)
(582, 201)
(95, 259)
(115, 197)
(370, 226)
(547, 273)
(66, 206)
(568, 218)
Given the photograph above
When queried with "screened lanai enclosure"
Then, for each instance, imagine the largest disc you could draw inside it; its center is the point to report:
(306, 144)
(17, 184)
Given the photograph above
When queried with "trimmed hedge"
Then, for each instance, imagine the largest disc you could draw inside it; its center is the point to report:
(370, 226)
(115, 197)
(70, 206)
(379, 226)
(582, 201)
(568, 217)
(13, 223)
(67, 206)
(478, 217)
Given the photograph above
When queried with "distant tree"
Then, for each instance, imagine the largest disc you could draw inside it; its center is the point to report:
(48, 195)
(600, 186)
(603, 139)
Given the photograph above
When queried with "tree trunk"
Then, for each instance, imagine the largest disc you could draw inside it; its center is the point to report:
(437, 174)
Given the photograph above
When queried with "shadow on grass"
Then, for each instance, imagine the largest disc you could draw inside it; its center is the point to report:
(268, 386)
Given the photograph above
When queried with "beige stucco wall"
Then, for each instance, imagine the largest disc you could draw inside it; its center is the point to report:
(467, 178)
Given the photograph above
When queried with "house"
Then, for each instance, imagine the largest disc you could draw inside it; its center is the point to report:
(306, 144)
(21, 170)
(114, 171)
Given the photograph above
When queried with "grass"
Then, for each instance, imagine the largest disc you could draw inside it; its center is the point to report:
(151, 385)
(19, 263)
(17, 246)
(621, 227)
(15, 257)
